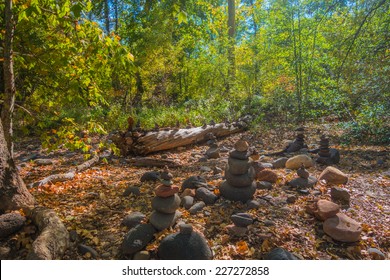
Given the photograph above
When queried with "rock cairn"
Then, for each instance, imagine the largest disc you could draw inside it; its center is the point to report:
(213, 150)
(186, 244)
(299, 142)
(327, 155)
(239, 182)
(165, 203)
(304, 179)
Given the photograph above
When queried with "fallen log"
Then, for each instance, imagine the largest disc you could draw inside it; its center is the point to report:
(53, 239)
(152, 162)
(62, 177)
(134, 142)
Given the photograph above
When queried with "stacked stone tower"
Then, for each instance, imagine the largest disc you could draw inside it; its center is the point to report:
(165, 203)
(239, 174)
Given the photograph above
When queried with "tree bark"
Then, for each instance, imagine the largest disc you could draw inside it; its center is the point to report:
(155, 141)
(13, 192)
(107, 16)
(232, 34)
(9, 79)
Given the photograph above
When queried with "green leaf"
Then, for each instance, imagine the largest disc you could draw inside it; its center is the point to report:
(76, 10)
(182, 17)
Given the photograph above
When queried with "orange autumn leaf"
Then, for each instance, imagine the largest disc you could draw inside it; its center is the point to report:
(242, 247)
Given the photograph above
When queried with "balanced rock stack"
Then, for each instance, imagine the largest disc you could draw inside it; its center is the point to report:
(304, 180)
(184, 245)
(165, 203)
(327, 155)
(239, 174)
(299, 142)
(213, 151)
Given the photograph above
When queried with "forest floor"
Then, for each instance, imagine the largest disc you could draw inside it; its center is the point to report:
(93, 206)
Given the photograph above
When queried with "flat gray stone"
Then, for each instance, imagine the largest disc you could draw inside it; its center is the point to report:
(162, 221)
(263, 185)
(133, 219)
(205, 195)
(166, 205)
(303, 183)
(242, 219)
(240, 181)
(194, 182)
(150, 176)
(132, 190)
(279, 163)
(239, 155)
(197, 207)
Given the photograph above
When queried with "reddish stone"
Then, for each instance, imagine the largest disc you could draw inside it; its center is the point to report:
(166, 191)
(342, 228)
(188, 192)
(326, 209)
(267, 176)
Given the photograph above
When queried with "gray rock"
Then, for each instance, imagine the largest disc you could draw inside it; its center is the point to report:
(84, 249)
(197, 207)
(213, 152)
(268, 223)
(162, 221)
(303, 183)
(340, 195)
(238, 166)
(133, 219)
(205, 195)
(236, 230)
(217, 170)
(132, 190)
(142, 256)
(150, 176)
(185, 228)
(252, 204)
(167, 205)
(237, 194)
(334, 155)
(202, 159)
(194, 182)
(291, 198)
(240, 181)
(187, 201)
(43, 161)
(304, 191)
(280, 254)
(184, 246)
(205, 169)
(242, 219)
(10, 223)
(263, 185)
(137, 238)
(267, 165)
(280, 163)
(238, 155)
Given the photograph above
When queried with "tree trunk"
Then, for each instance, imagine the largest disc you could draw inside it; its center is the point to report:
(107, 16)
(232, 34)
(13, 192)
(9, 80)
(155, 141)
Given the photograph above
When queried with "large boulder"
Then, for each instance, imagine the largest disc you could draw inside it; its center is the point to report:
(10, 223)
(332, 175)
(342, 228)
(296, 162)
(137, 238)
(184, 245)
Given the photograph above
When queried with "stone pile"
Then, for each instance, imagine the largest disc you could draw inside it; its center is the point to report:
(165, 203)
(213, 150)
(304, 180)
(327, 156)
(299, 142)
(186, 244)
(239, 182)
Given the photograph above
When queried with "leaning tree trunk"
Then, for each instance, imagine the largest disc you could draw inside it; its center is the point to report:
(13, 192)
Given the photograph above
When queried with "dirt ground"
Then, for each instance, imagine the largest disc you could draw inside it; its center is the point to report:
(92, 205)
